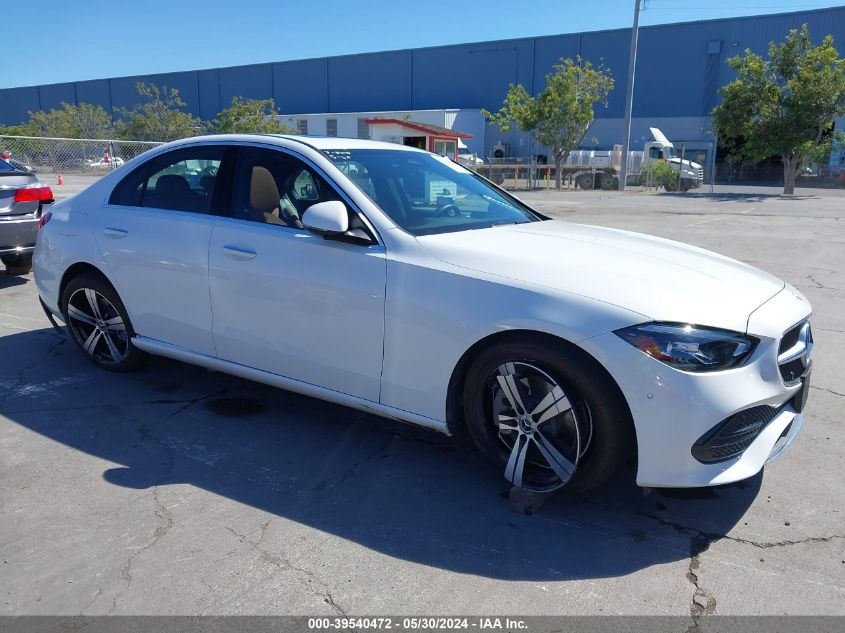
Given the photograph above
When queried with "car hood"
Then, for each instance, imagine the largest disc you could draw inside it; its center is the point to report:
(658, 278)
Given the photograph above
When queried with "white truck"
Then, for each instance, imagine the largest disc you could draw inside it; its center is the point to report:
(600, 169)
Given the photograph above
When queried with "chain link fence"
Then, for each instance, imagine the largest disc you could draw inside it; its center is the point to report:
(517, 173)
(95, 157)
(82, 156)
(527, 174)
(829, 174)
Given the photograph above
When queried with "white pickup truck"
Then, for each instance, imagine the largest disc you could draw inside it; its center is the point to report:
(23, 200)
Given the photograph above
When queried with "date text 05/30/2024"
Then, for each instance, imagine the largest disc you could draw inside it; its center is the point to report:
(418, 623)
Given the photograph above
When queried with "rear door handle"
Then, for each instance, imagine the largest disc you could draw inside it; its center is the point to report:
(239, 253)
(110, 231)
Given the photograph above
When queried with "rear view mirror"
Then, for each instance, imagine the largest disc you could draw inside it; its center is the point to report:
(326, 218)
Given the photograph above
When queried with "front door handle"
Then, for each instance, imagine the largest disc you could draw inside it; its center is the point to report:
(110, 231)
(239, 253)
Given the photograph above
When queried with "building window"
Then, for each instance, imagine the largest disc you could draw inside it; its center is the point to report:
(331, 127)
(445, 147)
(302, 126)
(363, 128)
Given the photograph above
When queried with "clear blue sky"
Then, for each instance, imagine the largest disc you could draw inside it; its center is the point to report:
(51, 41)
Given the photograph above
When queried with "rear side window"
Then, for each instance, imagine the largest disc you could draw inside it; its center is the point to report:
(128, 192)
(181, 180)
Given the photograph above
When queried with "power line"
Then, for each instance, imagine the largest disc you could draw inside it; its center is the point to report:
(768, 3)
(756, 6)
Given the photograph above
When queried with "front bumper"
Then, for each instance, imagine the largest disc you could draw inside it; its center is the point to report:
(672, 409)
(17, 234)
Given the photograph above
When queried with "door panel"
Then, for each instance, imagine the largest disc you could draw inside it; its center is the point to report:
(159, 262)
(153, 237)
(294, 304)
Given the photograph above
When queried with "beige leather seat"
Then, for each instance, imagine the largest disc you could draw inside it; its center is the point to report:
(264, 197)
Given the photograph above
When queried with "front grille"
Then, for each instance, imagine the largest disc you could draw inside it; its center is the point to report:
(733, 435)
(794, 352)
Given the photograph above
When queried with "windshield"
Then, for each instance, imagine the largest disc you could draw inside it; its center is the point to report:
(426, 194)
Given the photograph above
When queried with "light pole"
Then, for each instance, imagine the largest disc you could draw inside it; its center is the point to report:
(629, 98)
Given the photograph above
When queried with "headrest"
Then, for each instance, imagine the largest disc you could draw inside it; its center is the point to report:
(263, 192)
(172, 185)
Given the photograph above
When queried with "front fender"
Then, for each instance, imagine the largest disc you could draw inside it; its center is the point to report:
(434, 313)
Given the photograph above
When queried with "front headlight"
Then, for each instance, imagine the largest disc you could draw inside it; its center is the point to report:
(690, 347)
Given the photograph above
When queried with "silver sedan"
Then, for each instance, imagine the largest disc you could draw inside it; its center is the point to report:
(22, 202)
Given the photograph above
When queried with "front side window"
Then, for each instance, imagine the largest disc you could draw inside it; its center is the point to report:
(427, 194)
(276, 188)
(181, 180)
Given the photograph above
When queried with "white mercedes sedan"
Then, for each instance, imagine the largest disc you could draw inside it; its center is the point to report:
(398, 282)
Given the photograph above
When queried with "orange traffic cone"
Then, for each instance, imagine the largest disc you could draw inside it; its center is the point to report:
(61, 180)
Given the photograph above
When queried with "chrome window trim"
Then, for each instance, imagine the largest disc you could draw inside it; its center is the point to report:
(264, 145)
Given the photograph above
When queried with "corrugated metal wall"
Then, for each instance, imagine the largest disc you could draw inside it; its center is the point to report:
(672, 73)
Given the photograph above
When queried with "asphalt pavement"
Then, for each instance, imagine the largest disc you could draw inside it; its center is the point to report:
(174, 490)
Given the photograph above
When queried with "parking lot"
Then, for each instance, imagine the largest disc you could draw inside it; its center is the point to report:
(174, 490)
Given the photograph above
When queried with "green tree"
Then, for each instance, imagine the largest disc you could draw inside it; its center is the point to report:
(23, 129)
(560, 115)
(71, 121)
(160, 118)
(249, 115)
(660, 175)
(784, 105)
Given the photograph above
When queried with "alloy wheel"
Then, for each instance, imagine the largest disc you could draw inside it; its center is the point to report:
(545, 431)
(97, 326)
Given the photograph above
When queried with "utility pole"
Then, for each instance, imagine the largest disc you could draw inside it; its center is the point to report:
(629, 98)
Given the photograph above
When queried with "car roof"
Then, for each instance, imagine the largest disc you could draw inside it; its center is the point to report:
(316, 142)
(339, 142)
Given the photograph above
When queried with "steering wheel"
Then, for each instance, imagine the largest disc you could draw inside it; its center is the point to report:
(449, 210)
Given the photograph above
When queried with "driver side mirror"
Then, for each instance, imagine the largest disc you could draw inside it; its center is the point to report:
(326, 218)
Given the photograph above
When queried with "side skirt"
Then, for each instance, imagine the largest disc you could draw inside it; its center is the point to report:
(175, 352)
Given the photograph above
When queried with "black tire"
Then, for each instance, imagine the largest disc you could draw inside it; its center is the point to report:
(593, 399)
(24, 260)
(112, 348)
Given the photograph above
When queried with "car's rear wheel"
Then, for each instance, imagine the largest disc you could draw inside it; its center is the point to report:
(99, 324)
(546, 417)
(17, 264)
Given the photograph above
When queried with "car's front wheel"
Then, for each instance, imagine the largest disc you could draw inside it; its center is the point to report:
(99, 324)
(546, 416)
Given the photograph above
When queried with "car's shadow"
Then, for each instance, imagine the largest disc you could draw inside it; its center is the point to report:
(404, 492)
(8, 280)
(737, 196)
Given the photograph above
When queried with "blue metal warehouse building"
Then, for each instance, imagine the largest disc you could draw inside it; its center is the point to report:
(679, 71)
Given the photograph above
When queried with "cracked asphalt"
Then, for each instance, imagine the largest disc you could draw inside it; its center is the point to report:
(174, 490)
